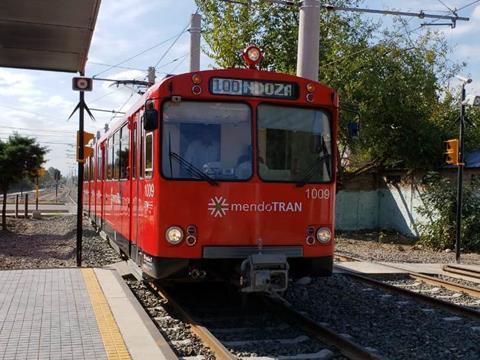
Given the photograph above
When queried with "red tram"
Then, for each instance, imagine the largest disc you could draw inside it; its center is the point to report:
(226, 173)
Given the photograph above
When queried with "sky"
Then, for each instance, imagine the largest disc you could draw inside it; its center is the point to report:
(38, 103)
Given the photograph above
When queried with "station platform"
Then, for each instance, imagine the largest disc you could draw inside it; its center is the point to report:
(74, 313)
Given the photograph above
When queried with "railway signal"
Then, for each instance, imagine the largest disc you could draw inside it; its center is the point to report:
(81, 83)
(451, 152)
(87, 150)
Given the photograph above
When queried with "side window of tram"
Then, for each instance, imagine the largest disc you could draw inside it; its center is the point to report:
(142, 143)
(124, 151)
(116, 155)
(148, 154)
(109, 162)
(134, 153)
(90, 168)
(99, 165)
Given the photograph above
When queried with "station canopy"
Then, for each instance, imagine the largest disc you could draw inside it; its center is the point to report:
(46, 34)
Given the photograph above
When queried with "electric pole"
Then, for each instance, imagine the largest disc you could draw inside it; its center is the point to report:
(308, 40)
(461, 164)
(195, 31)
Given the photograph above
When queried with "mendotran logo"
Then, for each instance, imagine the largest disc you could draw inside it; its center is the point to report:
(219, 206)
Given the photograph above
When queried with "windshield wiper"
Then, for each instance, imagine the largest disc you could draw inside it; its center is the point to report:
(192, 169)
(310, 171)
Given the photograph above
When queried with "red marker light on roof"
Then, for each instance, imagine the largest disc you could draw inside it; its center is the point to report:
(252, 56)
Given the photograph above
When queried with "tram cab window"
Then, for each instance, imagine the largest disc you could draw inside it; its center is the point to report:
(294, 144)
(148, 154)
(207, 138)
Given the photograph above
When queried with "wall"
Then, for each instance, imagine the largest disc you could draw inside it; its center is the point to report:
(376, 204)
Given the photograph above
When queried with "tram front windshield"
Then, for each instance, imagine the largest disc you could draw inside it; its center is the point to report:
(294, 144)
(207, 140)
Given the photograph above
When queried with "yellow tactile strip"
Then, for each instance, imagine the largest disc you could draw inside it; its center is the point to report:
(111, 337)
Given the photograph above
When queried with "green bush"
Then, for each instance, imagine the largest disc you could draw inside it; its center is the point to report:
(439, 208)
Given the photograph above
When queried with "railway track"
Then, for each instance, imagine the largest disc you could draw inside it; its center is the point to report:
(271, 328)
(462, 270)
(426, 295)
(261, 334)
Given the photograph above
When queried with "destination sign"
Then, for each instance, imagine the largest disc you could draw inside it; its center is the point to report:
(258, 88)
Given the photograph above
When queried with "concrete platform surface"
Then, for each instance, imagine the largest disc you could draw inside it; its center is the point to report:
(366, 267)
(75, 314)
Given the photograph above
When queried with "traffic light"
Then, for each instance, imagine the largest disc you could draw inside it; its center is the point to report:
(451, 152)
(87, 150)
(82, 84)
(40, 172)
(56, 175)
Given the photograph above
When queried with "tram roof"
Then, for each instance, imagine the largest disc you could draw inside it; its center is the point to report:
(47, 35)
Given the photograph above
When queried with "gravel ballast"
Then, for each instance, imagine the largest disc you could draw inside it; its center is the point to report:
(395, 326)
(176, 332)
(435, 291)
(370, 249)
(51, 243)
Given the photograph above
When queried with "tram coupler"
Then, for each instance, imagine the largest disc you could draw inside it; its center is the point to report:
(264, 273)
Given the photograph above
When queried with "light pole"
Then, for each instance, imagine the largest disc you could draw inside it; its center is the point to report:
(461, 164)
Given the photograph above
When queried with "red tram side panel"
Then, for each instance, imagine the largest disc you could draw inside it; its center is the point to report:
(223, 173)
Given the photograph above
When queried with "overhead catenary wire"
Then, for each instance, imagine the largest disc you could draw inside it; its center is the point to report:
(36, 129)
(121, 107)
(27, 111)
(172, 61)
(172, 45)
(406, 33)
(457, 10)
(44, 142)
(448, 7)
(115, 66)
(178, 65)
(139, 54)
(29, 134)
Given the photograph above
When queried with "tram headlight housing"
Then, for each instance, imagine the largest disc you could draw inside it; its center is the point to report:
(324, 235)
(174, 235)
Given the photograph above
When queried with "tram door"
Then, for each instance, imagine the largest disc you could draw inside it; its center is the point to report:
(135, 189)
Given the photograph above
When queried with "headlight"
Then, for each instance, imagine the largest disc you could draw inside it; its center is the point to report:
(174, 235)
(324, 235)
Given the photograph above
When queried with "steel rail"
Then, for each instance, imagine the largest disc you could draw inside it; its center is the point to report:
(445, 305)
(321, 333)
(279, 305)
(431, 280)
(475, 292)
(220, 351)
(460, 270)
(346, 258)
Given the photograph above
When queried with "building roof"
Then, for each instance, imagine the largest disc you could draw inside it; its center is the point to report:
(46, 35)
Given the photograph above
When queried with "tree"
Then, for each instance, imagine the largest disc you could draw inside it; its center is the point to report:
(439, 203)
(395, 89)
(19, 157)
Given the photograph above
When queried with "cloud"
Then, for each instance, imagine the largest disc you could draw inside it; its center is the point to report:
(15, 83)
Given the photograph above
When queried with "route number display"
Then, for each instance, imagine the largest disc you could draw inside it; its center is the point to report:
(257, 88)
